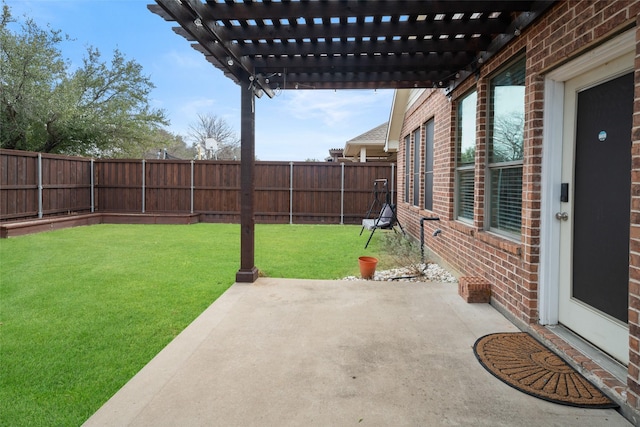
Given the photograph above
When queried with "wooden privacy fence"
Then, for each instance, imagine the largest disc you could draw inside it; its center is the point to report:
(34, 185)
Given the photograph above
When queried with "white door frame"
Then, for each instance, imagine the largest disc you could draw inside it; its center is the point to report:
(549, 271)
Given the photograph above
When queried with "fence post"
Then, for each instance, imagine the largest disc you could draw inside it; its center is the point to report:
(192, 184)
(92, 189)
(342, 194)
(393, 186)
(143, 187)
(40, 214)
(290, 192)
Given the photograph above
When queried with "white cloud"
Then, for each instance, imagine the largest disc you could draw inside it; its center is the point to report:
(332, 108)
(185, 58)
(298, 146)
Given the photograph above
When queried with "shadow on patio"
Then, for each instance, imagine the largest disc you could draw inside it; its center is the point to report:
(302, 352)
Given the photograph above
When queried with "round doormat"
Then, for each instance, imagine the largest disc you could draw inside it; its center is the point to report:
(522, 362)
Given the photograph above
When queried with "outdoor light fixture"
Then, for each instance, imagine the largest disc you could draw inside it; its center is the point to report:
(229, 62)
(198, 22)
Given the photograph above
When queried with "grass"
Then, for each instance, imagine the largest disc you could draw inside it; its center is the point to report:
(83, 309)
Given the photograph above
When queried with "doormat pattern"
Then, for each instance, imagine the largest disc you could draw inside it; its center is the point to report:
(522, 362)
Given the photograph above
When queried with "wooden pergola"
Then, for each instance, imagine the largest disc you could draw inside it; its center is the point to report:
(268, 46)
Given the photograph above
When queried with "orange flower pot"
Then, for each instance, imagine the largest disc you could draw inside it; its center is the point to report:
(367, 266)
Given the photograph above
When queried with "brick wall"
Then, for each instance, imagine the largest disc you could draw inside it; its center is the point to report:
(568, 29)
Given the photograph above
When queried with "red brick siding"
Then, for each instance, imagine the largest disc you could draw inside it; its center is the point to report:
(567, 30)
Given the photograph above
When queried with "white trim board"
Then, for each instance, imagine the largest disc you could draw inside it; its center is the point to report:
(548, 289)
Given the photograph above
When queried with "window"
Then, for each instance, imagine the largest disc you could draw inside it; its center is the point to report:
(416, 167)
(466, 156)
(428, 165)
(505, 151)
(407, 166)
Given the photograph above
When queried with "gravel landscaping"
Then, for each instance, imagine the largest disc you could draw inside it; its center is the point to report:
(430, 273)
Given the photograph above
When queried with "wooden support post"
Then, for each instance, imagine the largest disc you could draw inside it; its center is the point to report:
(248, 272)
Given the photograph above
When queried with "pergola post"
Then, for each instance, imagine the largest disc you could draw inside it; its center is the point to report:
(248, 272)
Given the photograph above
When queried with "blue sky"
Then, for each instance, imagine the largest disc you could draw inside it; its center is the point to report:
(296, 125)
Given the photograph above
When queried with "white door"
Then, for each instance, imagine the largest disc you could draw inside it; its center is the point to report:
(594, 211)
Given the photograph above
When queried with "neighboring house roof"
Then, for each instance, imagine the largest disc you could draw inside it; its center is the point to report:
(335, 155)
(373, 140)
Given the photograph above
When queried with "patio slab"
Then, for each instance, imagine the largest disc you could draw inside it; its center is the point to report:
(288, 352)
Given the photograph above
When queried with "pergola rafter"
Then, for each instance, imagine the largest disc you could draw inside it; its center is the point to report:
(423, 43)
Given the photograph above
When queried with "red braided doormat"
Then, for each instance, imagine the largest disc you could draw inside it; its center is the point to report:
(522, 362)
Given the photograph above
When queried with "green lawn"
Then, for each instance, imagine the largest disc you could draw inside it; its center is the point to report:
(83, 309)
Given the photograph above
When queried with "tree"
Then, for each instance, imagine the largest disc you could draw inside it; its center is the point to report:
(209, 129)
(508, 137)
(174, 145)
(468, 155)
(101, 109)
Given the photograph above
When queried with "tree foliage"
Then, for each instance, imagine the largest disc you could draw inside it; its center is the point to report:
(210, 126)
(508, 137)
(99, 109)
(173, 145)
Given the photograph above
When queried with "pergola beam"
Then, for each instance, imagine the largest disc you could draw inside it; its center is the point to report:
(358, 47)
(349, 8)
(418, 29)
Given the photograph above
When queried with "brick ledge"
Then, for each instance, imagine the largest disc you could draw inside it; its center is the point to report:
(19, 228)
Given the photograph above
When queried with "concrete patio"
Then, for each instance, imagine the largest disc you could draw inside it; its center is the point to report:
(285, 352)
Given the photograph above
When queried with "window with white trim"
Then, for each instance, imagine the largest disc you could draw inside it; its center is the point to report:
(416, 167)
(407, 167)
(466, 156)
(505, 150)
(428, 164)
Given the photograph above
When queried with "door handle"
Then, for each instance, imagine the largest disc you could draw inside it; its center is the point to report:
(563, 216)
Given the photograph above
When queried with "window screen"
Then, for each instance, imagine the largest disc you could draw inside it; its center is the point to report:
(466, 154)
(428, 165)
(465, 194)
(505, 151)
(416, 167)
(506, 199)
(407, 166)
